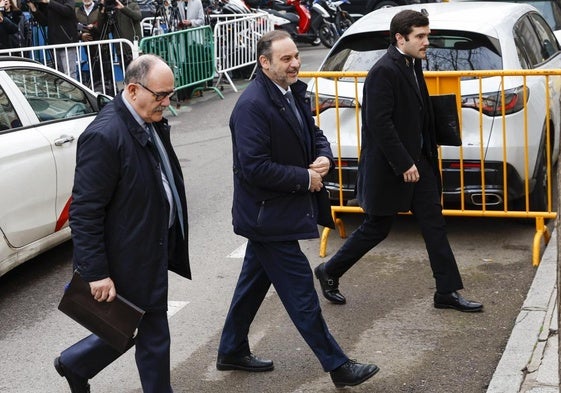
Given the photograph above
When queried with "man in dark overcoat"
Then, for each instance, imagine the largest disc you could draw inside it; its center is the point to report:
(398, 167)
(280, 157)
(129, 222)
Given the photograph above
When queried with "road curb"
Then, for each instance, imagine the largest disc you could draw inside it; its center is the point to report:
(525, 348)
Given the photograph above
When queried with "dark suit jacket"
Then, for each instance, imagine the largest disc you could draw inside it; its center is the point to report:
(119, 211)
(396, 121)
(271, 159)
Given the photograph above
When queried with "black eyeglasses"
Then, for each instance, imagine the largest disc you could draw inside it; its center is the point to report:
(158, 96)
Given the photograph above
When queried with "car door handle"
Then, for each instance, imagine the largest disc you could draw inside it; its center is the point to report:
(63, 139)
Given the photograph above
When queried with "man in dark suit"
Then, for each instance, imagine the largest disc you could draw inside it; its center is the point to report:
(398, 167)
(280, 157)
(129, 222)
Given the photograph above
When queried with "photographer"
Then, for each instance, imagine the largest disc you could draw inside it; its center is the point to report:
(60, 18)
(121, 20)
(8, 27)
(19, 38)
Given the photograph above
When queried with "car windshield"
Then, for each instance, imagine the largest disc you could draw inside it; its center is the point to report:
(448, 51)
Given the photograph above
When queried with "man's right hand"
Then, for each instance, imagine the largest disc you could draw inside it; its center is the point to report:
(411, 175)
(316, 183)
(103, 290)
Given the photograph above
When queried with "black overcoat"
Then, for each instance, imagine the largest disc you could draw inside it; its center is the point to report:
(119, 211)
(397, 127)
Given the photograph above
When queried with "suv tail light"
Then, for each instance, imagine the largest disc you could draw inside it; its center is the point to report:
(327, 102)
(491, 103)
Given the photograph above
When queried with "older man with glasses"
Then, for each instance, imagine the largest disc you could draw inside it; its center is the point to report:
(129, 222)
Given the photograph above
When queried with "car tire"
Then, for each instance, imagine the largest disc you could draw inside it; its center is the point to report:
(538, 196)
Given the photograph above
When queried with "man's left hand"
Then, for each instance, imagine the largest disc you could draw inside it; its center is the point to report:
(321, 165)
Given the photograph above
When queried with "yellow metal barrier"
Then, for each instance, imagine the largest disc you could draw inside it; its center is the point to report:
(449, 82)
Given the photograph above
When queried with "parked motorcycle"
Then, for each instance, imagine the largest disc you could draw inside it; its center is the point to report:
(338, 20)
(304, 24)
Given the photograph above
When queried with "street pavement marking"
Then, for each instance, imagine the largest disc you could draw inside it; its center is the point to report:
(239, 252)
(174, 306)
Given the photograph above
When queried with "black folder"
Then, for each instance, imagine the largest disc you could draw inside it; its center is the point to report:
(114, 322)
(447, 125)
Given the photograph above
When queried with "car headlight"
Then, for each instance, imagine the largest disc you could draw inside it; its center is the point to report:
(491, 103)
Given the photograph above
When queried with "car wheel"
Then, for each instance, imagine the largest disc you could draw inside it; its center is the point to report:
(538, 196)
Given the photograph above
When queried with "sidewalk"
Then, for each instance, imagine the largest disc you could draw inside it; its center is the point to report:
(530, 361)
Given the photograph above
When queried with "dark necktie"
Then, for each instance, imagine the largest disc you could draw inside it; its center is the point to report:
(164, 161)
(295, 110)
(411, 64)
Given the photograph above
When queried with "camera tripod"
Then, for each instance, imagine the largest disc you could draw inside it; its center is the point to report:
(161, 16)
(110, 26)
(103, 59)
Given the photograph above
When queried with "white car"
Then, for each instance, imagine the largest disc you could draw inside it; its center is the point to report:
(550, 10)
(464, 36)
(42, 114)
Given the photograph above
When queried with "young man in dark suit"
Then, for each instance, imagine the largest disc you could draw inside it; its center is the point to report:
(398, 167)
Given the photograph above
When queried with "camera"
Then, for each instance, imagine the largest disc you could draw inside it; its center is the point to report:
(110, 5)
(2, 8)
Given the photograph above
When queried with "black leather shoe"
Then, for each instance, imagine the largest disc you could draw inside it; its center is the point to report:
(329, 285)
(456, 301)
(246, 363)
(77, 383)
(352, 373)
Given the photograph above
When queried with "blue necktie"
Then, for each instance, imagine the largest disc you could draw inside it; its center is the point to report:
(290, 99)
(164, 160)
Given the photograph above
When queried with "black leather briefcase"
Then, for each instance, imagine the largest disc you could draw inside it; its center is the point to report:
(447, 125)
(114, 322)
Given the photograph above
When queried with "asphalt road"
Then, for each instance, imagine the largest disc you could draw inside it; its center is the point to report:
(388, 320)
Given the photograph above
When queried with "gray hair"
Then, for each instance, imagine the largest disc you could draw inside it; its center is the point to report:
(140, 67)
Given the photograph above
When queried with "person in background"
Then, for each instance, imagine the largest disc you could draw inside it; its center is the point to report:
(129, 223)
(280, 157)
(126, 16)
(11, 34)
(87, 15)
(118, 19)
(59, 16)
(7, 28)
(192, 13)
(398, 166)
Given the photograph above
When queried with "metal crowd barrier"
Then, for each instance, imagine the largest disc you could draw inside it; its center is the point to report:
(446, 83)
(189, 53)
(235, 42)
(96, 64)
